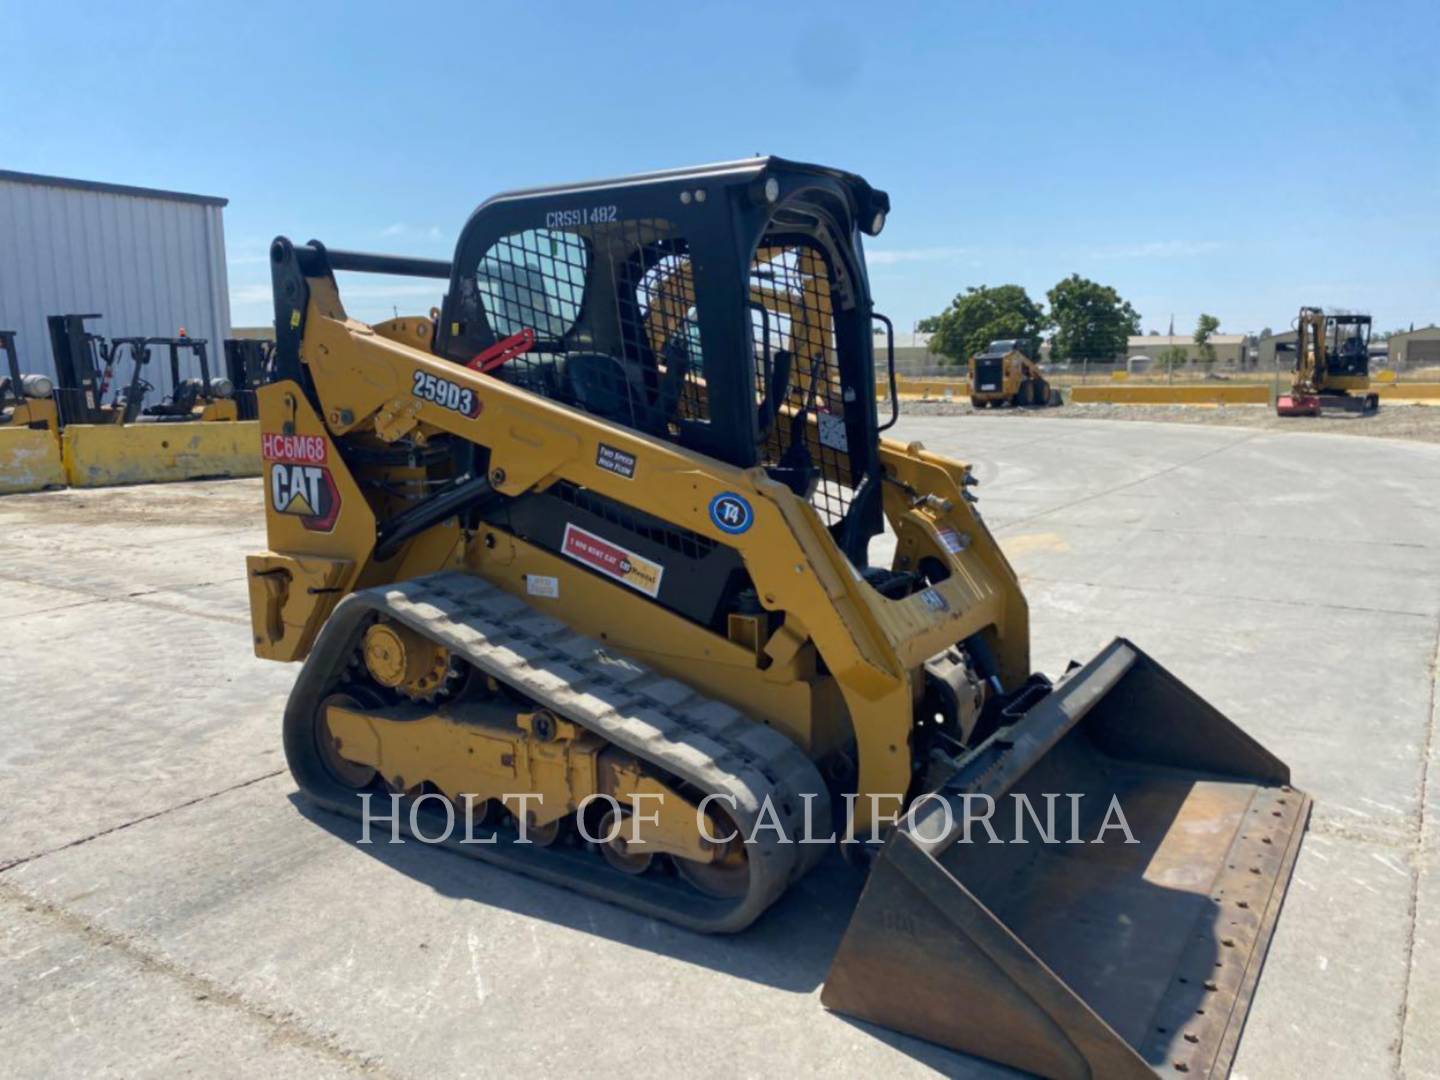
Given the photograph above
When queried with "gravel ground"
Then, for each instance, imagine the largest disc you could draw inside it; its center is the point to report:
(1417, 423)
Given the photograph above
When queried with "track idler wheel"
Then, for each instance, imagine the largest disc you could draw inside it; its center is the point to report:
(349, 773)
(547, 835)
(618, 851)
(728, 874)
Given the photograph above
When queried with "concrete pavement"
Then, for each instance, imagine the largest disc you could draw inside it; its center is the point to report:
(169, 908)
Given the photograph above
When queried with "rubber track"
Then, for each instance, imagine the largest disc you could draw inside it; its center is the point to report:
(704, 742)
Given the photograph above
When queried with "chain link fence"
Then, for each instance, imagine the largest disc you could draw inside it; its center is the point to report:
(1274, 370)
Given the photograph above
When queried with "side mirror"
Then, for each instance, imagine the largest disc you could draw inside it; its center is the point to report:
(890, 366)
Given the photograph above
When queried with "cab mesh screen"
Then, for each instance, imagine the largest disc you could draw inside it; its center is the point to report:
(613, 311)
(794, 334)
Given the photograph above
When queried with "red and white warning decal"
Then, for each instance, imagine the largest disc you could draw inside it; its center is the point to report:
(307, 492)
(301, 449)
(612, 560)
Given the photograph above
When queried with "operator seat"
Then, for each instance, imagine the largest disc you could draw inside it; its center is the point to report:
(628, 391)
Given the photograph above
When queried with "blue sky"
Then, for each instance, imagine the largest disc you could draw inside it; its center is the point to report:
(1240, 159)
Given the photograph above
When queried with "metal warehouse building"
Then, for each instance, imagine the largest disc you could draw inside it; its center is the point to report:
(1268, 351)
(1416, 348)
(1231, 350)
(148, 261)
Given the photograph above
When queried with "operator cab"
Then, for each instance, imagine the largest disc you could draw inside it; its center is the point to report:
(998, 350)
(1347, 344)
(725, 308)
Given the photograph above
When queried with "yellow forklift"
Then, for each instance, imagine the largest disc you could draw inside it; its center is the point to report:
(29, 427)
(205, 398)
(85, 366)
(247, 362)
(193, 432)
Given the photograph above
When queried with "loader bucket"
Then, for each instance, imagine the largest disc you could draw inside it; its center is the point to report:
(1080, 958)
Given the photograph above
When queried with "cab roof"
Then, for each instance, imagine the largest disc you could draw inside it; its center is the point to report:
(866, 200)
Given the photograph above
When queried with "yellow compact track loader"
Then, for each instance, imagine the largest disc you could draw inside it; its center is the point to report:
(1005, 374)
(584, 558)
(29, 427)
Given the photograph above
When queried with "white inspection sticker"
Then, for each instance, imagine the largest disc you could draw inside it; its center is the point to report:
(540, 585)
(955, 542)
(832, 432)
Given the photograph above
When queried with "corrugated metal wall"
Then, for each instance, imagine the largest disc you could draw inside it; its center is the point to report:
(149, 262)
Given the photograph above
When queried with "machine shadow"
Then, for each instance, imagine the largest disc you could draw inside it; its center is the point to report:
(1127, 932)
(789, 947)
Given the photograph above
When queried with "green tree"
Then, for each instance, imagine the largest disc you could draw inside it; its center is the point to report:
(1205, 328)
(1172, 358)
(982, 314)
(1091, 321)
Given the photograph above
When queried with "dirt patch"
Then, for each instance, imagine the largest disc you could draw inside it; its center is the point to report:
(202, 502)
(1417, 423)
